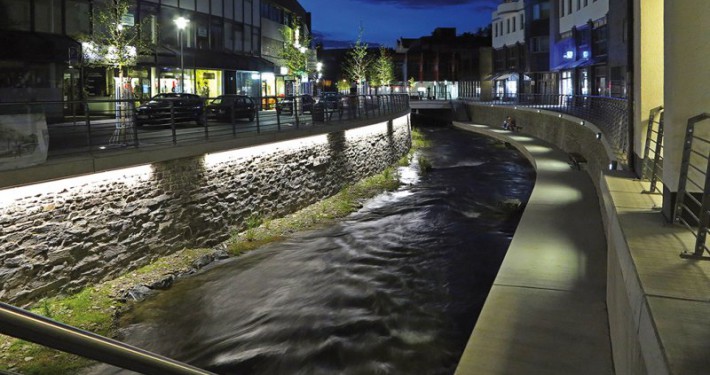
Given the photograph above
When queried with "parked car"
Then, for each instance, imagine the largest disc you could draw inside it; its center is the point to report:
(305, 104)
(166, 107)
(332, 100)
(226, 107)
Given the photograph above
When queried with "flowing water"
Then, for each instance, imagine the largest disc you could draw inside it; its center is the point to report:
(394, 289)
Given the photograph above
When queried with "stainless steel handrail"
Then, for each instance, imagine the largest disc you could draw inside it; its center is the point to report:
(696, 218)
(27, 326)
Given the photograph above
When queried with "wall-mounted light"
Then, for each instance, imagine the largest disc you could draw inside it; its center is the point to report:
(283, 70)
(599, 135)
(585, 54)
(560, 115)
(568, 55)
(581, 123)
(612, 165)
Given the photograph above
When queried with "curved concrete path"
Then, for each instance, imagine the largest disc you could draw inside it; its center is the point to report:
(546, 312)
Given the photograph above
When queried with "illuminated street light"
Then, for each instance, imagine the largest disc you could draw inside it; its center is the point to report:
(181, 23)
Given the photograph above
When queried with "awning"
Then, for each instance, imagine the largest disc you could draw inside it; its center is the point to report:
(510, 76)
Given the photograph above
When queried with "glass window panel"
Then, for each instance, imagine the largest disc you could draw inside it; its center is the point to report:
(228, 36)
(247, 39)
(216, 34)
(15, 15)
(77, 17)
(217, 8)
(188, 4)
(203, 6)
(256, 19)
(255, 45)
(229, 9)
(172, 3)
(48, 16)
(239, 37)
(239, 10)
(248, 12)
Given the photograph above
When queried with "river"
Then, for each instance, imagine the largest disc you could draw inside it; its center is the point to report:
(395, 288)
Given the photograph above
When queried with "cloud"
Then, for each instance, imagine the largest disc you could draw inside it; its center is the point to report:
(336, 40)
(428, 4)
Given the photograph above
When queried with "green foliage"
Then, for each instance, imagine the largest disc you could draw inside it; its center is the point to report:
(424, 164)
(343, 85)
(113, 43)
(356, 62)
(419, 140)
(382, 69)
(295, 51)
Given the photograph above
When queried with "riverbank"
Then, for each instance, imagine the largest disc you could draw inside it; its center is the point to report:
(99, 308)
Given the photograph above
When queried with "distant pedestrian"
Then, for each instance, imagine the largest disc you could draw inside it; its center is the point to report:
(509, 124)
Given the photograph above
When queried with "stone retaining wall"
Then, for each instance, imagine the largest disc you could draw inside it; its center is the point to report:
(61, 236)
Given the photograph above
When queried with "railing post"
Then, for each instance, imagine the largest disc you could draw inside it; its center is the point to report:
(657, 152)
(136, 142)
(172, 122)
(88, 123)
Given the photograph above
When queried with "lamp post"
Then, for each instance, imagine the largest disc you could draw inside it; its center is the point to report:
(181, 23)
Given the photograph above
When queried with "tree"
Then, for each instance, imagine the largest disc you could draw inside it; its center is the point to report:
(382, 71)
(356, 62)
(296, 52)
(115, 41)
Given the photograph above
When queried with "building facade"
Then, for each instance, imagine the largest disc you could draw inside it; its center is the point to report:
(509, 49)
(220, 49)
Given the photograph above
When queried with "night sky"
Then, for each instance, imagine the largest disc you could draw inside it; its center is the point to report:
(336, 22)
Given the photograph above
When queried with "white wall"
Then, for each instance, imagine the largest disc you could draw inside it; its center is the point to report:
(513, 12)
(593, 11)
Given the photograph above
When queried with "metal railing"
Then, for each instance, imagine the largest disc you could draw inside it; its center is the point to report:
(76, 127)
(652, 168)
(692, 206)
(27, 326)
(609, 114)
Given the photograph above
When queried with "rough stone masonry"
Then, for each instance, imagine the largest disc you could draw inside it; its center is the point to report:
(60, 242)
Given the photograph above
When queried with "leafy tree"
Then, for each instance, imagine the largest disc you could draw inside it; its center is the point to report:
(296, 52)
(343, 85)
(382, 69)
(356, 62)
(113, 43)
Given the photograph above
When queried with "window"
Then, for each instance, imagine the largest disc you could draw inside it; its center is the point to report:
(228, 36)
(508, 28)
(541, 11)
(186, 4)
(48, 16)
(540, 44)
(15, 15)
(216, 34)
(247, 39)
(77, 17)
(569, 6)
(522, 22)
(217, 8)
(149, 18)
(562, 8)
(579, 4)
(514, 24)
(239, 38)
(203, 6)
(586, 3)
(229, 9)
(248, 13)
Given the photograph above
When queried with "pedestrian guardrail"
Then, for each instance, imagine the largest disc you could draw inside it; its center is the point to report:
(692, 206)
(76, 127)
(652, 168)
(609, 114)
(27, 326)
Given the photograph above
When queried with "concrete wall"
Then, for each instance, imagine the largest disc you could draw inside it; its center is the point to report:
(63, 235)
(563, 131)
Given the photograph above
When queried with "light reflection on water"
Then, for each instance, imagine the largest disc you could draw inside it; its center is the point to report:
(393, 289)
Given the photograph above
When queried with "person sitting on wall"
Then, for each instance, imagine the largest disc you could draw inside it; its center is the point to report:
(509, 124)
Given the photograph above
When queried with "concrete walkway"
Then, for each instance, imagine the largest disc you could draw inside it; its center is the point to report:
(546, 312)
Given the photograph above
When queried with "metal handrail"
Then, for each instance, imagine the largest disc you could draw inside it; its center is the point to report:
(608, 113)
(696, 219)
(27, 326)
(653, 151)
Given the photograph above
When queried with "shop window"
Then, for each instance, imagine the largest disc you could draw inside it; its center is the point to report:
(208, 83)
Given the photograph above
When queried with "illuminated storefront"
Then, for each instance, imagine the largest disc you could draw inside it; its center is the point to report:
(209, 83)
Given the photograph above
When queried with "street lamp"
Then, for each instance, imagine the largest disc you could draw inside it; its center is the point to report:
(181, 23)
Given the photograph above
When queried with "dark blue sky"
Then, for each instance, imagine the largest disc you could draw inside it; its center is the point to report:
(337, 22)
